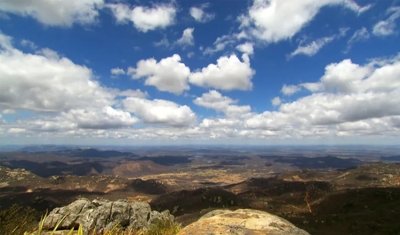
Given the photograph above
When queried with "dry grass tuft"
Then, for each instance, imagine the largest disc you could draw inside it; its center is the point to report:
(163, 227)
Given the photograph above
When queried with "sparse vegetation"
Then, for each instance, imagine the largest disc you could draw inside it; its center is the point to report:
(358, 200)
(18, 220)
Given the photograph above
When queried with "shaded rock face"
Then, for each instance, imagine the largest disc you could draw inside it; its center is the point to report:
(242, 222)
(103, 215)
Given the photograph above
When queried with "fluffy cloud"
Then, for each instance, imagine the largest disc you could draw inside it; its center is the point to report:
(313, 87)
(349, 78)
(350, 97)
(387, 27)
(117, 71)
(169, 74)
(220, 128)
(290, 89)
(374, 126)
(78, 120)
(246, 48)
(187, 38)
(276, 101)
(48, 53)
(160, 111)
(104, 118)
(145, 18)
(200, 15)
(56, 12)
(312, 48)
(276, 20)
(268, 121)
(5, 42)
(220, 123)
(326, 109)
(344, 77)
(228, 74)
(354, 93)
(46, 83)
(128, 93)
(214, 100)
(30, 44)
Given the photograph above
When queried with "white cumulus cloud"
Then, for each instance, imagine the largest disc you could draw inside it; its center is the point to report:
(350, 100)
(276, 20)
(45, 82)
(228, 74)
(276, 101)
(117, 71)
(187, 38)
(55, 12)
(290, 89)
(104, 118)
(246, 47)
(199, 14)
(30, 44)
(145, 18)
(169, 74)
(160, 111)
(214, 100)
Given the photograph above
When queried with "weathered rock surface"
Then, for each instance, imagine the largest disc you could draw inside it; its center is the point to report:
(103, 215)
(241, 222)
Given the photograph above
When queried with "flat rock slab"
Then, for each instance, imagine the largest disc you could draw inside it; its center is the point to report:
(241, 222)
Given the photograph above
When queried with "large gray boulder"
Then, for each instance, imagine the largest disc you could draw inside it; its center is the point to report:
(241, 222)
(103, 215)
(140, 215)
(73, 212)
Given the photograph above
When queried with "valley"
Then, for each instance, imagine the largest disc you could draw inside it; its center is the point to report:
(321, 190)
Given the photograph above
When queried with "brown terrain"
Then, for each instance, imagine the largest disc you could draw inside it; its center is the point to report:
(320, 194)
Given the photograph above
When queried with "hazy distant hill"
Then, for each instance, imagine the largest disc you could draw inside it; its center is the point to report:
(46, 148)
(321, 162)
(73, 151)
(391, 158)
(91, 153)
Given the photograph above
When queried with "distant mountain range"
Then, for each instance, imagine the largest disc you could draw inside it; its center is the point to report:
(75, 151)
(391, 158)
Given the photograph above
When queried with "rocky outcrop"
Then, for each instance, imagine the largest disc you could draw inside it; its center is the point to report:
(241, 222)
(103, 215)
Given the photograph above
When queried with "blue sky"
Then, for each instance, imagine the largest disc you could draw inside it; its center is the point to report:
(187, 72)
